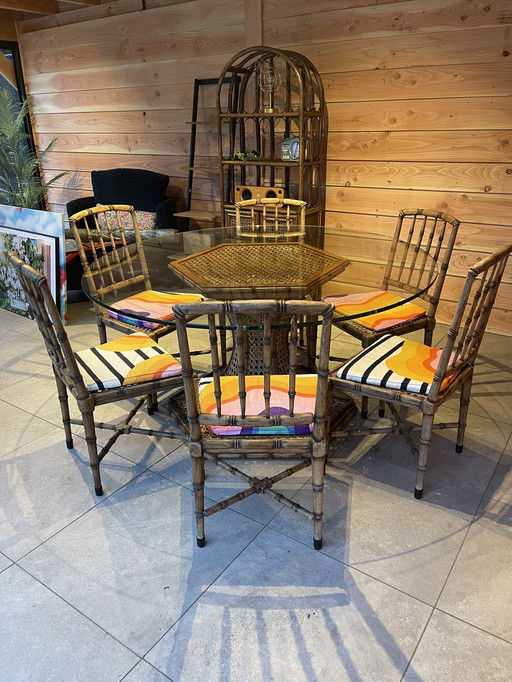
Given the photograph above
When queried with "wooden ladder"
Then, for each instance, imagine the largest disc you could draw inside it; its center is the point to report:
(213, 217)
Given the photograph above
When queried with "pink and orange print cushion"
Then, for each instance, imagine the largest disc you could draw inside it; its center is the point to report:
(353, 304)
(255, 405)
(151, 304)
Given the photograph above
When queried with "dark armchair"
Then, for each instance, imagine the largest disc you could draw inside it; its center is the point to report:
(143, 189)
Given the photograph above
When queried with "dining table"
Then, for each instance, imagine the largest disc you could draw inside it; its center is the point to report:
(217, 264)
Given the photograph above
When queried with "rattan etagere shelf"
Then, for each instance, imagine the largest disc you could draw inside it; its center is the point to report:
(265, 97)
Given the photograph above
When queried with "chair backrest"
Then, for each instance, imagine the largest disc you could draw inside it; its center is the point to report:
(240, 389)
(110, 248)
(44, 311)
(277, 219)
(471, 316)
(246, 192)
(143, 189)
(423, 240)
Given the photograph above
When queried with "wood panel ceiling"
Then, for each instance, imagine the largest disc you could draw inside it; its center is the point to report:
(45, 6)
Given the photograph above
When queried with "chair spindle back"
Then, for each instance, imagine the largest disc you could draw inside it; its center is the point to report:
(423, 240)
(265, 318)
(45, 313)
(277, 219)
(111, 253)
(471, 316)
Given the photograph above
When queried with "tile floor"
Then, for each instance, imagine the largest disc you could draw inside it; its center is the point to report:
(115, 588)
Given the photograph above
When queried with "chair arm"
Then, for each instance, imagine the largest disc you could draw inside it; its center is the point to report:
(75, 206)
(165, 214)
(69, 234)
(80, 204)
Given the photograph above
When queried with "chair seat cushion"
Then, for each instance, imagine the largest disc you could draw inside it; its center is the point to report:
(131, 359)
(146, 220)
(353, 304)
(150, 304)
(255, 405)
(395, 362)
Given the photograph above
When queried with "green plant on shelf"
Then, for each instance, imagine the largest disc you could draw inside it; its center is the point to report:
(247, 155)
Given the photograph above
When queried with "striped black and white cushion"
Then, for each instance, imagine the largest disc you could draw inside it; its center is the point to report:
(395, 362)
(131, 359)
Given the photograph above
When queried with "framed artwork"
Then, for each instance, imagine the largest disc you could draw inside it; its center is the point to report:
(38, 238)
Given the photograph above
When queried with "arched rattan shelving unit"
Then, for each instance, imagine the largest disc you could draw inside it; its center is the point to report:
(265, 96)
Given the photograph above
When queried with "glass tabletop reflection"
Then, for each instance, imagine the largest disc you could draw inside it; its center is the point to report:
(219, 263)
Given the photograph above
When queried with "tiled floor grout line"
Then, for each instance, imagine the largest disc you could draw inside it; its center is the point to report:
(435, 608)
(264, 526)
(206, 589)
(84, 615)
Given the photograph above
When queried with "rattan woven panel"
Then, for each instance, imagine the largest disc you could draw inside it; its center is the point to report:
(269, 269)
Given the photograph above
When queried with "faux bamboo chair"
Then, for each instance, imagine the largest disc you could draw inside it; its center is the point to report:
(278, 219)
(264, 417)
(113, 259)
(434, 234)
(131, 366)
(405, 373)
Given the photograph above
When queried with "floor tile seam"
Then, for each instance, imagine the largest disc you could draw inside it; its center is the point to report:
(346, 468)
(450, 403)
(2, 343)
(356, 568)
(484, 495)
(23, 378)
(469, 526)
(191, 489)
(203, 592)
(77, 610)
(43, 419)
(422, 634)
(151, 665)
(127, 459)
(474, 625)
(485, 416)
(40, 435)
(8, 565)
(431, 476)
(360, 571)
(100, 501)
(30, 335)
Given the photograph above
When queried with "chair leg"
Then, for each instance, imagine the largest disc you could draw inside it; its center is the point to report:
(92, 448)
(382, 408)
(317, 480)
(425, 438)
(364, 407)
(197, 457)
(429, 333)
(465, 397)
(64, 409)
(102, 332)
(152, 403)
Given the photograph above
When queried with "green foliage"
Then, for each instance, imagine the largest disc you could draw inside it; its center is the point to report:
(248, 155)
(20, 182)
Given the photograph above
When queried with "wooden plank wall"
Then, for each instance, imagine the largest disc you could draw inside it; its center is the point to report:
(419, 100)
(419, 97)
(114, 84)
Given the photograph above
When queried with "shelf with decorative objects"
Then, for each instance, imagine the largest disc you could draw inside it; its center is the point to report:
(272, 120)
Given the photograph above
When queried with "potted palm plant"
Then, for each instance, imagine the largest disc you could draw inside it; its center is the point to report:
(20, 166)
